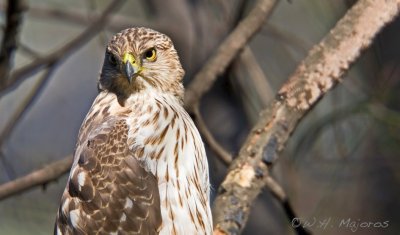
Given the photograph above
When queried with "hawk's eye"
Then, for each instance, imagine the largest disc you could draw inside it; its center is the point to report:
(150, 54)
(112, 59)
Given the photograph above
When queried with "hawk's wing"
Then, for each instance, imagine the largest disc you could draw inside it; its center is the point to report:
(109, 191)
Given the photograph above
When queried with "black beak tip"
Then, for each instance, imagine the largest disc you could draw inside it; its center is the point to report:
(129, 71)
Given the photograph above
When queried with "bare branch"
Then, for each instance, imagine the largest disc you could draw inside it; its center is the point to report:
(278, 192)
(314, 77)
(226, 52)
(56, 57)
(18, 114)
(209, 138)
(261, 85)
(276, 189)
(8, 168)
(28, 51)
(40, 177)
(15, 8)
(288, 38)
(270, 184)
(249, 80)
(25, 104)
(80, 17)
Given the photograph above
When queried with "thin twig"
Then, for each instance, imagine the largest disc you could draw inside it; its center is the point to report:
(270, 184)
(28, 50)
(285, 37)
(205, 132)
(117, 22)
(83, 18)
(8, 169)
(278, 192)
(25, 104)
(15, 8)
(227, 51)
(252, 66)
(102, 36)
(56, 57)
(276, 189)
(315, 76)
(43, 176)
(251, 84)
(18, 114)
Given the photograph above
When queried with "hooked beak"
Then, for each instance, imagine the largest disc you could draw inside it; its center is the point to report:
(130, 71)
(131, 67)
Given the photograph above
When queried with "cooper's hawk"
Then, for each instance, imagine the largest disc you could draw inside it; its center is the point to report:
(139, 165)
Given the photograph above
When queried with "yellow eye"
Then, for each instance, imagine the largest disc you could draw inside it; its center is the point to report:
(150, 55)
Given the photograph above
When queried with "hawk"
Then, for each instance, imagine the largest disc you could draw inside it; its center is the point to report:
(139, 166)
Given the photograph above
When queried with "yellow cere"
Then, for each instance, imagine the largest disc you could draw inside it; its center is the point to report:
(129, 57)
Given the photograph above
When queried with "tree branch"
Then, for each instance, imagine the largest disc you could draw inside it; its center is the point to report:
(28, 51)
(80, 17)
(209, 138)
(40, 177)
(270, 184)
(25, 104)
(226, 52)
(251, 84)
(278, 192)
(314, 77)
(15, 8)
(18, 114)
(56, 57)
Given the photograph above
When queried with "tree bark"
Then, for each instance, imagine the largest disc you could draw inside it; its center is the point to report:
(319, 72)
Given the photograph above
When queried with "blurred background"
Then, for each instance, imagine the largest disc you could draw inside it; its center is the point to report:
(341, 163)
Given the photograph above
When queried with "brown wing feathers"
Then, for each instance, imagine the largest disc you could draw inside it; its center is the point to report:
(109, 191)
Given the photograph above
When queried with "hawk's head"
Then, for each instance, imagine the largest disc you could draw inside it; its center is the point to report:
(138, 59)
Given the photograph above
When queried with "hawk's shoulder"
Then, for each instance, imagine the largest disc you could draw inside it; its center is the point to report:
(108, 189)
